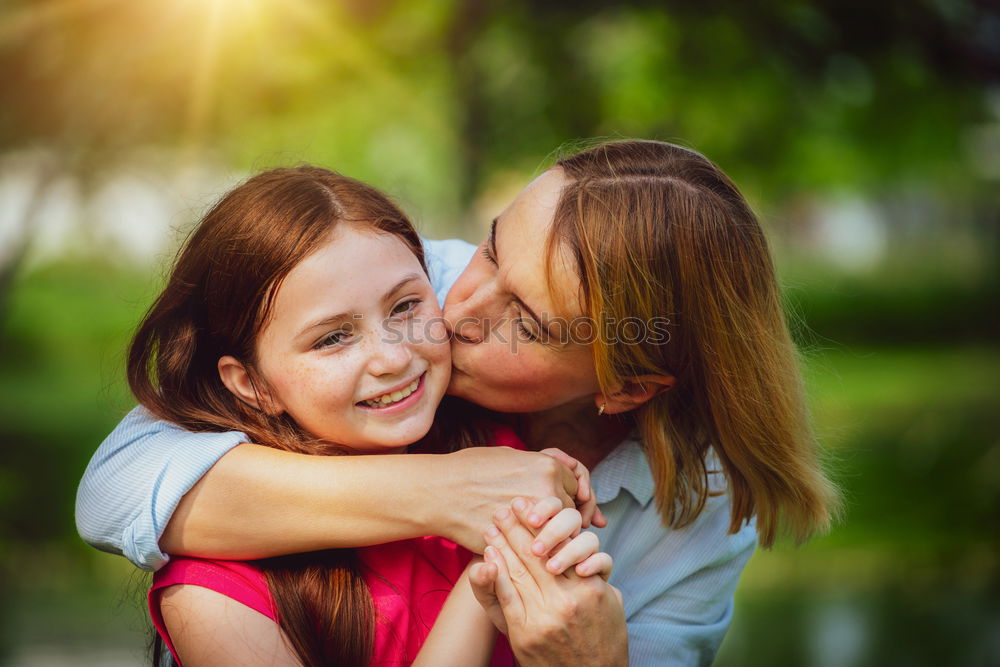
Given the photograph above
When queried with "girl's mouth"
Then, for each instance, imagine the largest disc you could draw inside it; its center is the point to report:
(396, 401)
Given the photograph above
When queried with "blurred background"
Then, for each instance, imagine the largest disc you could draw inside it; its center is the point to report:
(866, 135)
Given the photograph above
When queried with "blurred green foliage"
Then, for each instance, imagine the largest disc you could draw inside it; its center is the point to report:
(446, 104)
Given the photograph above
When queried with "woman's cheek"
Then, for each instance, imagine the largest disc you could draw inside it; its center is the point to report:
(517, 368)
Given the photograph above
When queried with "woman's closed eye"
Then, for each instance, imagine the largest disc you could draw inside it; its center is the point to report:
(487, 255)
(523, 330)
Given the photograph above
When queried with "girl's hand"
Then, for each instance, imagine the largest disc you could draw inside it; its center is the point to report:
(557, 536)
(586, 501)
(551, 619)
(486, 478)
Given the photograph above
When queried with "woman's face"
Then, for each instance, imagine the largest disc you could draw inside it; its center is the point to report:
(512, 350)
(355, 350)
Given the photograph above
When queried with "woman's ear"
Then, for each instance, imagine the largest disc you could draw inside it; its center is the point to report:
(634, 393)
(237, 380)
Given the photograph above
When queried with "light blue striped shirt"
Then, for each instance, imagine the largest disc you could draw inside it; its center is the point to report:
(677, 584)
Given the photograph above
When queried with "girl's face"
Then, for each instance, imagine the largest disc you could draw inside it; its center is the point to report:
(512, 351)
(355, 350)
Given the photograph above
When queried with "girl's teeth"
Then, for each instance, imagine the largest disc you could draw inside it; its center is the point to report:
(394, 397)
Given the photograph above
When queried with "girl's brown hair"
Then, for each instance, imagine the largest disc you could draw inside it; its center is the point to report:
(216, 302)
(659, 233)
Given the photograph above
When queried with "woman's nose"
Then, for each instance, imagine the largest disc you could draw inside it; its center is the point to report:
(469, 319)
(470, 307)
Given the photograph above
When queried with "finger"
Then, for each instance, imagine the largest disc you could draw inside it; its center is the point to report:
(577, 550)
(482, 579)
(513, 541)
(482, 576)
(535, 516)
(587, 512)
(583, 491)
(568, 487)
(599, 520)
(506, 593)
(599, 564)
(564, 525)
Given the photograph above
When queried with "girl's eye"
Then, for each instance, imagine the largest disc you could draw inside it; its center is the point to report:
(333, 338)
(406, 306)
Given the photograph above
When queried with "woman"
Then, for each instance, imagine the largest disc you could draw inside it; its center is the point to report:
(702, 413)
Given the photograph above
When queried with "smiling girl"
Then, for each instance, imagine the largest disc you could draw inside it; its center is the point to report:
(300, 313)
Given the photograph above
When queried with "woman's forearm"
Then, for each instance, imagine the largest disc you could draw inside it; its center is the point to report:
(258, 502)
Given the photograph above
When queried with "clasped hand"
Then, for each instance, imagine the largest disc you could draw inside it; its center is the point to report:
(544, 584)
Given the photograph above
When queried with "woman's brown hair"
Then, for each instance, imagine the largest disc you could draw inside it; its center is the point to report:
(217, 301)
(661, 234)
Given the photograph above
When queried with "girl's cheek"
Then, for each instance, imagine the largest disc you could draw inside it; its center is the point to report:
(437, 333)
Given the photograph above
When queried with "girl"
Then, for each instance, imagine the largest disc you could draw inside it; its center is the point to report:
(300, 312)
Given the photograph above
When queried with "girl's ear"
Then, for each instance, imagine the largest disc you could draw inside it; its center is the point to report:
(634, 393)
(234, 375)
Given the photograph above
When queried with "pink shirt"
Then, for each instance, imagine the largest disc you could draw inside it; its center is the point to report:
(409, 581)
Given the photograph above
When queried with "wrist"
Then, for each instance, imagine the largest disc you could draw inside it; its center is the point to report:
(429, 497)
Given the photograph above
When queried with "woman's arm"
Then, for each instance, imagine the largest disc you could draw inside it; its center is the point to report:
(257, 502)
(153, 485)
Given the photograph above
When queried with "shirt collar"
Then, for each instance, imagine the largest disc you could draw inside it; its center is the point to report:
(625, 468)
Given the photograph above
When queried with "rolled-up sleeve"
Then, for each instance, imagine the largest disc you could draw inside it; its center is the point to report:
(135, 481)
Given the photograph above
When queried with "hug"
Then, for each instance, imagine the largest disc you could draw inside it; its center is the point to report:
(361, 447)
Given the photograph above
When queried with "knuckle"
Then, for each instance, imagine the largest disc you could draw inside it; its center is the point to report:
(552, 468)
(593, 589)
(567, 607)
(540, 636)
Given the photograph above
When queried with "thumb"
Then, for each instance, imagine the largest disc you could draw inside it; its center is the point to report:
(482, 577)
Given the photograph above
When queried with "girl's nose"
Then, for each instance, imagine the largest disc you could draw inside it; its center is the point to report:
(390, 356)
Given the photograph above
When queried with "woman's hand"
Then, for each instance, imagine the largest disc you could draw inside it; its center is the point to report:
(550, 618)
(486, 478)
